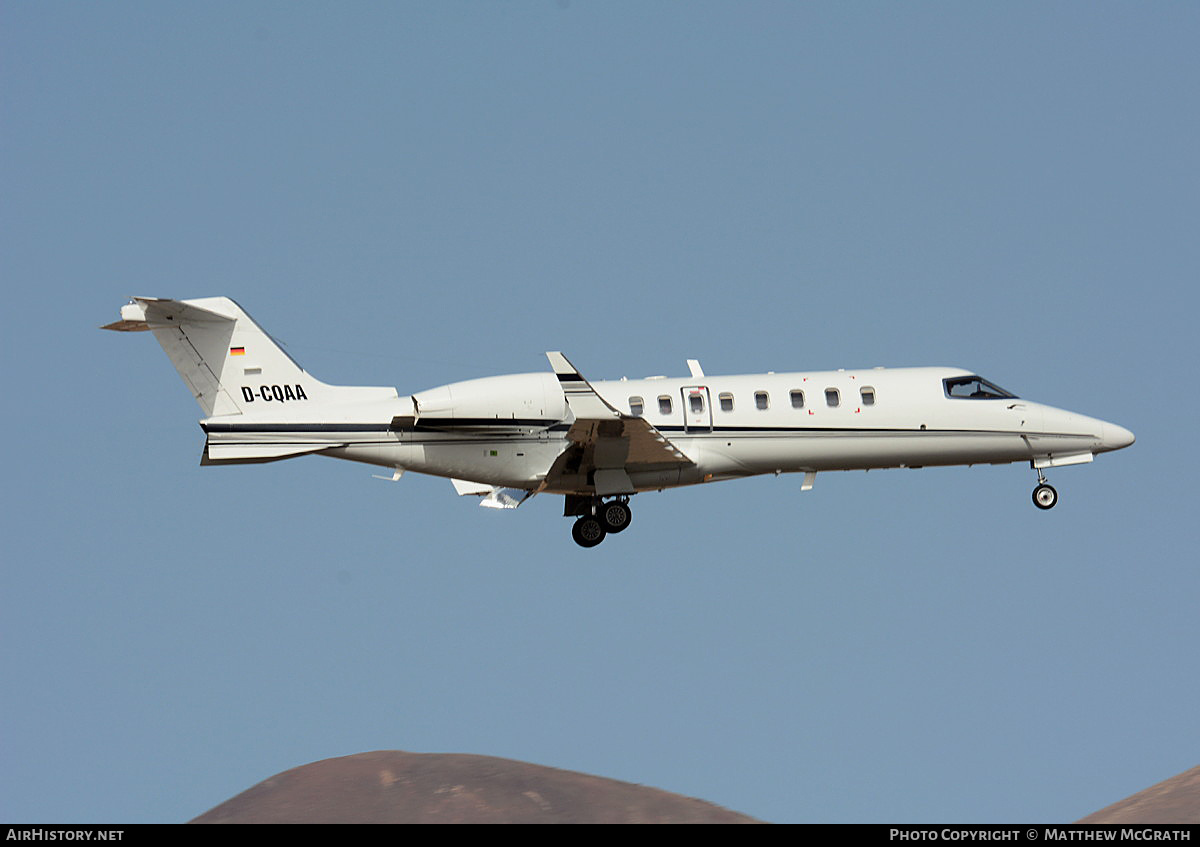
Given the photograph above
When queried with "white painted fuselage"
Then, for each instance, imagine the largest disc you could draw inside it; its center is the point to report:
(727, 426)
(599, 443)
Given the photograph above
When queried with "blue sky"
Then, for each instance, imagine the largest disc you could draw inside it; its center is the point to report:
(410, 194)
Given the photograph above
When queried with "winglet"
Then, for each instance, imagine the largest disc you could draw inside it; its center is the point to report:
(581, 397)
(560, 365)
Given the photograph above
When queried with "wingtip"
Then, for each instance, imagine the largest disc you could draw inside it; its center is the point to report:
(560, 364)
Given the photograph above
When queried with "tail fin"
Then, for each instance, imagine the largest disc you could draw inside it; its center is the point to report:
(227, 361)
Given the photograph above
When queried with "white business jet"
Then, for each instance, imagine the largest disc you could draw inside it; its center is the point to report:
(507, 438)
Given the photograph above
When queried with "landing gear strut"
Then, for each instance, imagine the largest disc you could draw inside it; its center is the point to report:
(1044, 495)
(597, 518)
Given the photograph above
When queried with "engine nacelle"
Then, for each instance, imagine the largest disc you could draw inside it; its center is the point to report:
(493, 404)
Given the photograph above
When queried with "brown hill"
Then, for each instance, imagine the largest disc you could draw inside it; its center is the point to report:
(391, 786)
(1174, 800)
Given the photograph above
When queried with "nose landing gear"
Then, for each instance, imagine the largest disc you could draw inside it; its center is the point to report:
(1044, 495)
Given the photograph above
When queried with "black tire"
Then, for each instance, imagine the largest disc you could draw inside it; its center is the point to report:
(1044, 496)
(588, 531)
(615, 516)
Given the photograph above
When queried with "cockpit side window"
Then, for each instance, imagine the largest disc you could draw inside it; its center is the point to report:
(975, 388)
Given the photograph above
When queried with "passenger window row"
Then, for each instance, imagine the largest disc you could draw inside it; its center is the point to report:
(762, 401)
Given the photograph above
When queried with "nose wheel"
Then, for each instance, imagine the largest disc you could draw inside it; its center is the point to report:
(1044, 495)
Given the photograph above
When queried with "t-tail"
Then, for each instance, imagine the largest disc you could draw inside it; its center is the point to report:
(239, 374)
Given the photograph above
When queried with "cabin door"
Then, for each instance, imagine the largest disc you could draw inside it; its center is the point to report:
(697, 410)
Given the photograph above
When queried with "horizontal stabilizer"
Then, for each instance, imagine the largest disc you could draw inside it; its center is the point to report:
(245, 454)
(131, 325)
(144, 313)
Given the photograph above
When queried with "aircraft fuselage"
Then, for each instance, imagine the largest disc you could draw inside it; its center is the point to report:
(728, 426)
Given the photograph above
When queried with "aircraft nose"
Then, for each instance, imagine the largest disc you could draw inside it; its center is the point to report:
(1113, 437)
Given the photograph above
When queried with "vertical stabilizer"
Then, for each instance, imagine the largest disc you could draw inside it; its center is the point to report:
(227, 361)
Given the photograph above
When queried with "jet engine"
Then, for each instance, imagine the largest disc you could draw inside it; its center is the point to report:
(515, 403)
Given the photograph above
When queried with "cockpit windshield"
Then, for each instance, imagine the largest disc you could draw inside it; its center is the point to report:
(975, 388)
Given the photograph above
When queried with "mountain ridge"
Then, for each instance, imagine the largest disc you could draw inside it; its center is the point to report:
(394, 786)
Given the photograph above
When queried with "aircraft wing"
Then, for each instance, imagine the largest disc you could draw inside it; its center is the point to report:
(606, 445)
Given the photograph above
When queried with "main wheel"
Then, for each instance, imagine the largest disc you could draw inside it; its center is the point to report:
(1044, 496)
(616, 516)
(588, 531)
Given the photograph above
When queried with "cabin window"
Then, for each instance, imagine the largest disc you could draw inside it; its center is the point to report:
(761, 400)
(975, 388)
(696, 402)
(833, 398)
(868, 395)
(636, 406)
(797, 398)
(726, 402)
(664, 404)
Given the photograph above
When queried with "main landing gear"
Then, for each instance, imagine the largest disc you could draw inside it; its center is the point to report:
(597, 518)
(1044, 495)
